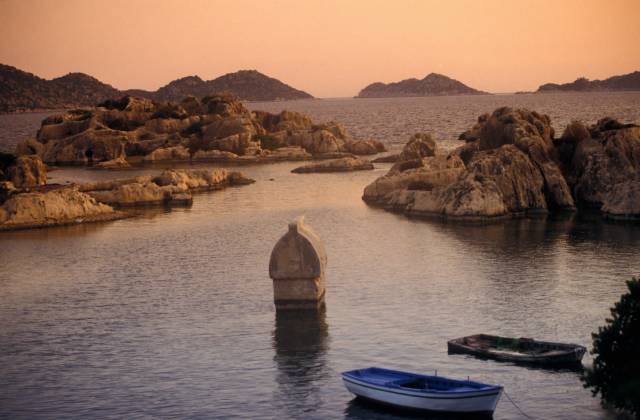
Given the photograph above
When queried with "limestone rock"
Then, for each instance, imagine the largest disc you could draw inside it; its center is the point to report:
(338, 165)
(213, 155)
(623, 201)
(364, 147)
(86, 147)
(420, 145)
(601, 163)
(507, 126)
(52, 208)
(27, 172)
(29, 146)
(168, 153)
(118, 163)
(434, 170)
(290, 153)
(387, 159)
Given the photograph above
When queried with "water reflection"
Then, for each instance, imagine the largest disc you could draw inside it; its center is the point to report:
(360, 409)
(301, 341)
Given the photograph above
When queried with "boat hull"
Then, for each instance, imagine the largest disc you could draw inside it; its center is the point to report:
(559, 354)
(477, 402)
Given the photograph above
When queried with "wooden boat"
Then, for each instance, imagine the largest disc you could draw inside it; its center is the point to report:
(422, 392)
(519, 350)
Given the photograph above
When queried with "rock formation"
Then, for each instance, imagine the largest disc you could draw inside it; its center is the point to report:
(346, 164)
(170, 187)
(511, 164)
(53, 208)
(297, 267)
(214, 128)
(60, 205)
(23, 172)
(432, 85)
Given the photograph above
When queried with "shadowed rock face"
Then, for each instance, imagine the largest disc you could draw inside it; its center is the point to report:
(215, 128)
(511, 164)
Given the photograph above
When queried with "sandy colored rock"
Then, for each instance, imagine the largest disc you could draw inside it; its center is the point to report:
(52, 208)
(168, 153)
(434, 170)
(27, 172)
(212, 155)
(419, 145)
(393, 158)
(338, 165)
(364, 147)
(118, 163)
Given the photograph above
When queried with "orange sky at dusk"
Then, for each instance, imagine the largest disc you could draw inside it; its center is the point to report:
(328, 48)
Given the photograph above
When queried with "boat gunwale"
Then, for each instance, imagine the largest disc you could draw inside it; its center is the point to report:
(391, 386)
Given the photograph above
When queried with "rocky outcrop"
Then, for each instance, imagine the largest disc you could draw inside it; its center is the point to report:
(347, 164)
(53, 208)
(170, 187)
(623, 201)
(420, 145)
(214, 128)
(432, 85)
(27, 172)
(598, 159)
(511, 164)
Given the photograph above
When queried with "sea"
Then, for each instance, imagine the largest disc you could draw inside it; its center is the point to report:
(170, 314)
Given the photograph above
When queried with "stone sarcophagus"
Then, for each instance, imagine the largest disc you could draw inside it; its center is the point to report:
(297, 267)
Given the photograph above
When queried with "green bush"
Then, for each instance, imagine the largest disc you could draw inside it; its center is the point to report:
(616, 347)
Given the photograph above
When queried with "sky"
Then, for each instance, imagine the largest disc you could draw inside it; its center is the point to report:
(329, 48)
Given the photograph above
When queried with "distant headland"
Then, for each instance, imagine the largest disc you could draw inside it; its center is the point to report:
(23, 91)
(625, 82)
(432, 85)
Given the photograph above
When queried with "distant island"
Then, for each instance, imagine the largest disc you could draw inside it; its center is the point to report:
(432, 85)
(624, 82)
(23, 91)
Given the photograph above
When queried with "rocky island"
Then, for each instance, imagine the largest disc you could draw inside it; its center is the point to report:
(511, 164)
(26, 201)
(217, 128)
(432, 85)
(625, 82)
(22, 91)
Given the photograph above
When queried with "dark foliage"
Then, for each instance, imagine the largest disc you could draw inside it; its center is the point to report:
(616, 347)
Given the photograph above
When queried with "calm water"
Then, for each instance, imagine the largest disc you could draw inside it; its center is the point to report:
(170, 314)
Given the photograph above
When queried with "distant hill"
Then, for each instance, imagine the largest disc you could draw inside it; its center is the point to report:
(20, 90)
(250, 85)
(432, 85)
(629, 81)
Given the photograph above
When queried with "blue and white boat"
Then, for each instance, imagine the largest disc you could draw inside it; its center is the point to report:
(422, 392)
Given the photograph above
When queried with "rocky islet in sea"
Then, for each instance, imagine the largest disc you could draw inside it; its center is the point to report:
(217, 128)
(511, 164)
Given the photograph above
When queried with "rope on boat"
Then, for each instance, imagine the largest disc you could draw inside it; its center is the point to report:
(504, 391)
